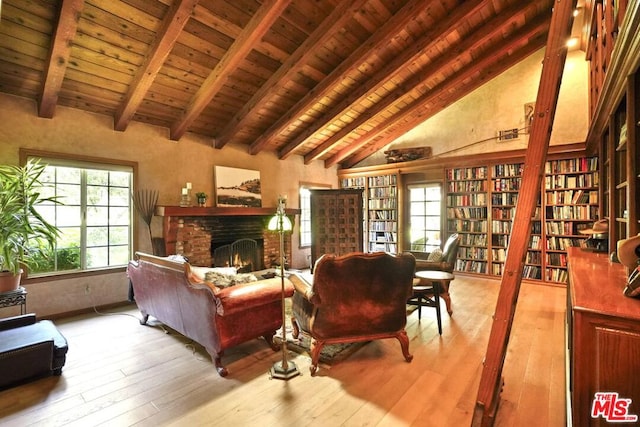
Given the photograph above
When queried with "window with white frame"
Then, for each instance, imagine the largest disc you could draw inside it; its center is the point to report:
(305, 217)
(94, 216)
(425, 210)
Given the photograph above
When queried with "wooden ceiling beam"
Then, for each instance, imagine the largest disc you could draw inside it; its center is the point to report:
(431, 38)
(376, 41)
(59, 53)
(259, 24)
(492, 28)
(456, 86)
(294, 64)
(170, 29)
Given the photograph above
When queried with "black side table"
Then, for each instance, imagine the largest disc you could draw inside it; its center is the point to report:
(17, 297)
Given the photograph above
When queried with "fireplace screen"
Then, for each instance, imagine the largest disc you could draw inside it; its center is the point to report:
(241, 254)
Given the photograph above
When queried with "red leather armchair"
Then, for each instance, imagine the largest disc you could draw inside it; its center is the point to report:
(354, 297)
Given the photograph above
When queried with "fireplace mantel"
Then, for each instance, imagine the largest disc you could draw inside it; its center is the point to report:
(218, 211)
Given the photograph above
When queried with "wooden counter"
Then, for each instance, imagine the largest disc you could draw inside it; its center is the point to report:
(603, 336)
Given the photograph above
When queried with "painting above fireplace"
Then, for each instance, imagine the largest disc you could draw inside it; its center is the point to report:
(237, 187)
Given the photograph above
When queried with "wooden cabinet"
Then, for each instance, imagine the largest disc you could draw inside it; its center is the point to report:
(336, 222)
(603, 337)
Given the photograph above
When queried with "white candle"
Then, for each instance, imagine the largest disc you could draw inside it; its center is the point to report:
(184, 191)
(188, 186)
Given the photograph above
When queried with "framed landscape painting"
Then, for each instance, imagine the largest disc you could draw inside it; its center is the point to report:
(237, 187)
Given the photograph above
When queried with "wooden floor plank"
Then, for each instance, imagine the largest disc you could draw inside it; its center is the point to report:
(120, 373)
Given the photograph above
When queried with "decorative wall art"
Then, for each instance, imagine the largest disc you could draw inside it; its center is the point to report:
(237, 187)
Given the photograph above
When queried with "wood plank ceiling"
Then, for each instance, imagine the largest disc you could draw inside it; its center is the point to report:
(329, 80)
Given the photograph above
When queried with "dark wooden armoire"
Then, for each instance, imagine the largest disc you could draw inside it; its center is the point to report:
(336, 222)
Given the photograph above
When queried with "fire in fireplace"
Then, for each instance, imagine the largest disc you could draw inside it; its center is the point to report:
(243, 254)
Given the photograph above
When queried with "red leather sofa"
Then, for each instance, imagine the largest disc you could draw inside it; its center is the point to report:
(217, 318)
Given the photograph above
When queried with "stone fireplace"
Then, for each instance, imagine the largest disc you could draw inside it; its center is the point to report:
(196, 231)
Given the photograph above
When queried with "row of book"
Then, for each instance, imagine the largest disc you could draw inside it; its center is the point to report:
(467, 186)
(383, 226)
(473, 240)
(514, 169)
(565, 228)
(562, 243)
(472, 252)
(472, 199)
(502, 213)
(501, 227)
(384, 215)
(471, 266)
(504, 199)
(391, 203)
(466, 226)
(573, 197)
(383, 236)
(506, 184)
(381, 192)
(467, 173)
(383, 180)
(580, 212)
(587, 180)
(556, 275)
(383, 247)
(581, 164)
(557, 259)
(467, 212)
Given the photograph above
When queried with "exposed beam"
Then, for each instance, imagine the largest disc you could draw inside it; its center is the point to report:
(376, 41)
(259, 24)
(294, 64)
(455, 87)
(535, 157)
(406, 90)
(58, 58)
(170, 29)
(436, 34)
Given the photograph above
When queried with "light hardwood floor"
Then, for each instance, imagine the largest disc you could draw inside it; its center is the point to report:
(119, 373)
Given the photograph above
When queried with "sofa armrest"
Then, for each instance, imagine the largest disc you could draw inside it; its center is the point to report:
(244, 296)
(17, 321)
(302, 286)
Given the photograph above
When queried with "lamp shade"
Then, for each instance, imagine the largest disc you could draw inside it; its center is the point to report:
(275, 221)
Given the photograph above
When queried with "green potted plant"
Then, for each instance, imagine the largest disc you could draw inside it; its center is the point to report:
(202, 198)
(24, 233)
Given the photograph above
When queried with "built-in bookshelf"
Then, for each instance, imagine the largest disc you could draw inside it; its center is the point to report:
(467, 214)
(571, 200)
(505, 186)
(380, 210)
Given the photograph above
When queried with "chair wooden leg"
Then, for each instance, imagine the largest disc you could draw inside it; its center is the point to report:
(315, 348)
(436, 298)
(404, 344)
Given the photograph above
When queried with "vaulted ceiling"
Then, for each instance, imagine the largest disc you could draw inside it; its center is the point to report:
(329, 80)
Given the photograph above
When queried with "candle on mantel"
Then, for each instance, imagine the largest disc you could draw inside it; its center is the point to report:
(188, 186)
(185, 191)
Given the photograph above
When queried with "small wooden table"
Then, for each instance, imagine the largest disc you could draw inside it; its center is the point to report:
(17, 297)
(426, 293)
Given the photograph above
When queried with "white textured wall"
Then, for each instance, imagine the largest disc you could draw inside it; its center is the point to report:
(469, 125)
(163, 165)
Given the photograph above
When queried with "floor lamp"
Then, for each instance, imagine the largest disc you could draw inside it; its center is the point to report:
(284, 369)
